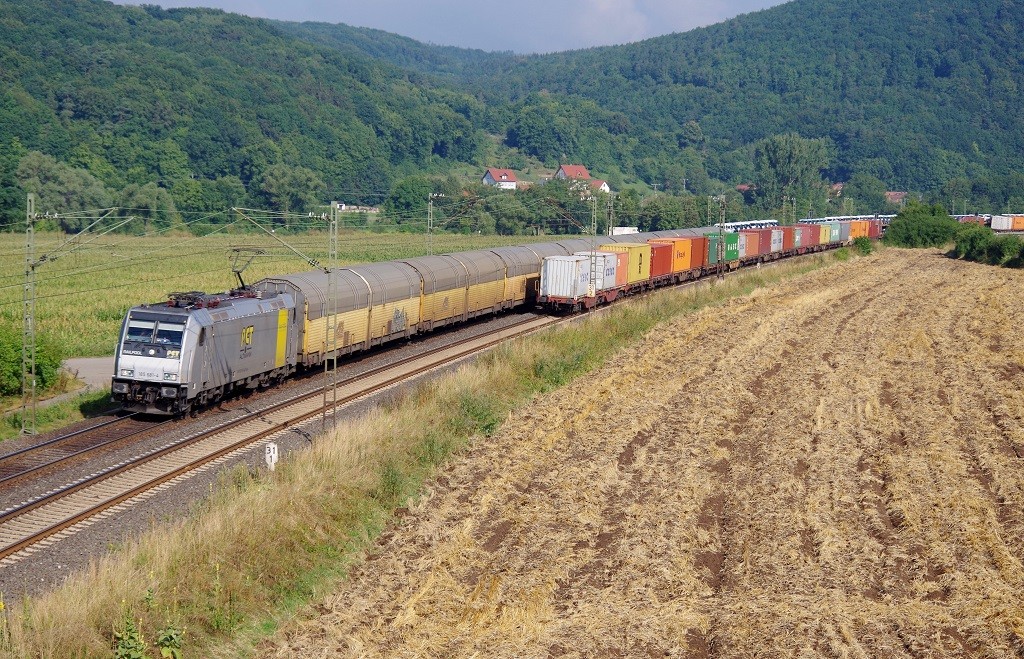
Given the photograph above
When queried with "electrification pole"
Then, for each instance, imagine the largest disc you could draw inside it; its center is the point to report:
(611, 212)
(721, 236)
(430, 220)
(592, 287)
(331, 318)
(28, 344)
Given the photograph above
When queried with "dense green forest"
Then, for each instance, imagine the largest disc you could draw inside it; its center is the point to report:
(125, 105)
(187, 112)
(921, 95)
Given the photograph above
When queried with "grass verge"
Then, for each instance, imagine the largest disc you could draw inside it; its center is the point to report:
(265, 544)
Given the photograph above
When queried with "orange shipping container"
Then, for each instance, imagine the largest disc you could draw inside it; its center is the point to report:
(698, 252)
(751, 243)
(682, 253)
(1018, 222)
(621, 268)
(788, 237)
(639, 268)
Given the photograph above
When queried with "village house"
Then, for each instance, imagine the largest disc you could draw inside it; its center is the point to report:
(896, 198)
(580, 173)
(505, 179)
(573, 172)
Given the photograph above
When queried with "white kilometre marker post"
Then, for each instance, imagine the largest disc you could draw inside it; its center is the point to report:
(270, 455)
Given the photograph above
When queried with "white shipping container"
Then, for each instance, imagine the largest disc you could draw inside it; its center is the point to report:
(622, 231)
(776, 240)
(1002, 223)
(743, 245)
(607, 263)
(565, 277)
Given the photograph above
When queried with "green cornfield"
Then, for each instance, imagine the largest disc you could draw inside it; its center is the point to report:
(83, 289)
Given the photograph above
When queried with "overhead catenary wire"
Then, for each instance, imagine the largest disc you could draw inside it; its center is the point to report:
(302, 221)
(98, 269)
(148, 234)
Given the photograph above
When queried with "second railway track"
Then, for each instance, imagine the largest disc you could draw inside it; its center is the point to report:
(58, 450)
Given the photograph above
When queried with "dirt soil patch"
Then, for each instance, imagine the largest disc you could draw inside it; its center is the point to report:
(827, 467)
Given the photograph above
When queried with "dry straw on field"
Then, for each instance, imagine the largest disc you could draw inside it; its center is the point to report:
(831, 480)
(824, 467)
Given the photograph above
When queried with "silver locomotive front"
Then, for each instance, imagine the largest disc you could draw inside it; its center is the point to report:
(151, 365)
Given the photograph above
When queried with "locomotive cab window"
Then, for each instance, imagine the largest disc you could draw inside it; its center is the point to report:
(169, 334)
(140, 331)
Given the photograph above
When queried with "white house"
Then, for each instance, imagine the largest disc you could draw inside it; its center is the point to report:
(504, 179)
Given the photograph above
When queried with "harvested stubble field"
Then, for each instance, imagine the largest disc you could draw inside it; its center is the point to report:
(830, 466)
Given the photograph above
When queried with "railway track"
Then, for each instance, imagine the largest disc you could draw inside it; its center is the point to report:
(58, 450)
(31, 525)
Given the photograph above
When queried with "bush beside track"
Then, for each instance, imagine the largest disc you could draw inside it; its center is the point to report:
(931, 226)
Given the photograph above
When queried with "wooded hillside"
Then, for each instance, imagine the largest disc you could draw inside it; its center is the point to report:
(198, 110)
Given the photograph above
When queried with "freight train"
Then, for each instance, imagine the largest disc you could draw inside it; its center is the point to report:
(195, 348)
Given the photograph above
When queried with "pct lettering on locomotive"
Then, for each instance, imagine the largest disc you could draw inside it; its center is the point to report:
(246, 342)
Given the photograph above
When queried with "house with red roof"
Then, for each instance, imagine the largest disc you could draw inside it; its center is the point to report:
(896, 198)
(580, 173)
(504, 179)
(573, 172)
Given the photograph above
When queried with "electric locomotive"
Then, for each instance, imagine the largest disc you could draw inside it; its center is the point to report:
(197, 347)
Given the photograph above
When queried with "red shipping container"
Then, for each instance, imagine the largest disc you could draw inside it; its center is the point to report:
(874, 228)
(811, 235)
(699, 252)
(764, 245)
(661, 259)
(788, 239)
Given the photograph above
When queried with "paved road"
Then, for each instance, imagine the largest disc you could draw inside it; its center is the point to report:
(94, 371)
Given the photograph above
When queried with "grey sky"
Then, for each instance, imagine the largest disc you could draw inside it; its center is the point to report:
(524, 26)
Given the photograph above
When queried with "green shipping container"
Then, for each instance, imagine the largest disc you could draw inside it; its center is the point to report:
(732, 247)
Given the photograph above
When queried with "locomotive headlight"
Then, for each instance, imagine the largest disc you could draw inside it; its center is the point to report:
(171, 376)
(127, 372)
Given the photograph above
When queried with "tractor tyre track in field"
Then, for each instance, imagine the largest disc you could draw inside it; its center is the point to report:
(829, 466)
